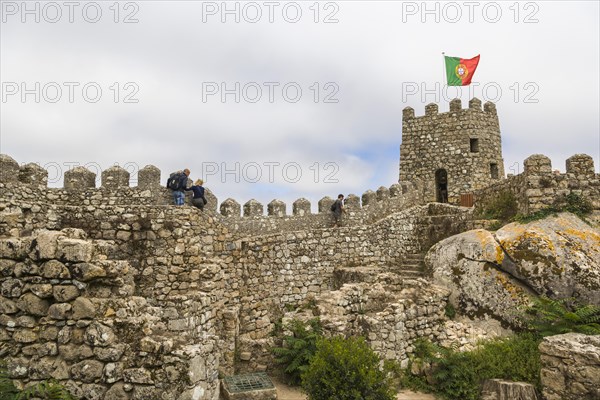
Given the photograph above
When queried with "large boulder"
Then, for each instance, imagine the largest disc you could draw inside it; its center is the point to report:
(469, 265)
(491, 275)
(557, 256)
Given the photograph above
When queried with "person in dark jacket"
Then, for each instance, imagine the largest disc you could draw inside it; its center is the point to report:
(338, 208)
(177, 182)
(199, 200)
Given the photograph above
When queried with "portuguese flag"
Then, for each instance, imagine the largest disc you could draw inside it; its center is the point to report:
(459, 71)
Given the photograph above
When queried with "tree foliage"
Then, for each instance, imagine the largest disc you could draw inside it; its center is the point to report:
(299, 346)
(346, 369)
(550, 317)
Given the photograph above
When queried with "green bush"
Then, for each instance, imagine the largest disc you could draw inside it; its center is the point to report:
(549, 317)
(346, 369)
(502, 207)
(298, 347)
(459, 375)
(47, 390)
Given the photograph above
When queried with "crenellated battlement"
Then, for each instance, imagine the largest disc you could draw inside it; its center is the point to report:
(539, 185)
(432, 109)
(250, 217)
(535, 188)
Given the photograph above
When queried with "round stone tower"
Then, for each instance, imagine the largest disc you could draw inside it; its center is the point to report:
(455, 152)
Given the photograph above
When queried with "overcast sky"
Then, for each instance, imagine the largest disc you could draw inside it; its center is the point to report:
(185, 85)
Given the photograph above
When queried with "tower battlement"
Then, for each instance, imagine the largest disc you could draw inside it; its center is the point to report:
(454, 152)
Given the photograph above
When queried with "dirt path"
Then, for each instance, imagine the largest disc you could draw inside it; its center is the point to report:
(285, 392)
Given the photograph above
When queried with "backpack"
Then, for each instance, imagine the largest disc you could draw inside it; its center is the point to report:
(334, 206)
(175, 180)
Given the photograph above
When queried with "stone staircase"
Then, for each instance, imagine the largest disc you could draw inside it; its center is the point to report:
(413, 266)
(398, 276)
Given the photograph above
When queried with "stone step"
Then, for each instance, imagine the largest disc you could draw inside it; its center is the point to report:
(411, 274)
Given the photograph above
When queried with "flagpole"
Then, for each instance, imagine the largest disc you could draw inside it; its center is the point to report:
(444, 69)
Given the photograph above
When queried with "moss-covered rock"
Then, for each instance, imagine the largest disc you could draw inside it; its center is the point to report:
(491, 275)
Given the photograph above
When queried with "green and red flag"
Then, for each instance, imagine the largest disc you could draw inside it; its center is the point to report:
(459, 71)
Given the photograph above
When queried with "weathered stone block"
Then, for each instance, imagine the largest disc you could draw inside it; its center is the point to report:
(475, 104)
(33, 175)
(86, 272)
(352, 201)
(455, 105)
(581, 165)
(98, 334)
(87, 371)
(64, 293)
(116, 392)
(431, 109)
(32, 304)
(325, 204)
(383, 193)
(112, 353)
(537, 164)
(301, 207)
(230, 208)
(253, 208)
(7, 306)
(395, 190)
(59, 311)
(369, 197)
(79, 178)
(83, 308)
(9, 169)
(276, 208)
(74, 250)
(137, 375)
(115, 177)
(149, 177)
(497, 389)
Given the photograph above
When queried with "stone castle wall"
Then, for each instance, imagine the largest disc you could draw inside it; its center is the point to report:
(182, 293)
(463, 142)
(193, 289)
(570, 367)
(539, 187)
(71, 311)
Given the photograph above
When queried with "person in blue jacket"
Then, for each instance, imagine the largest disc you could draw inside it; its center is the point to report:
(199, 200)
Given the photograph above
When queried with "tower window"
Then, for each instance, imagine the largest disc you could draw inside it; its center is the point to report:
(494, 170)
(474, 143)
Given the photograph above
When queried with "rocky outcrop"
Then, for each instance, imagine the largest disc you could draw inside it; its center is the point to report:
(491, 275)
(557, 256)
(570, 367)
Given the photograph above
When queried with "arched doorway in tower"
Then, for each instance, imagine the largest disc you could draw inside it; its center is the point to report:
(441, 186)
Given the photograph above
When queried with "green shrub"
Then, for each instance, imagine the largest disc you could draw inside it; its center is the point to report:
(449, 310)
(346, 369)
(502, 207)
(459, 375)
(549, 317)
(47, 390)
(298, 347)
